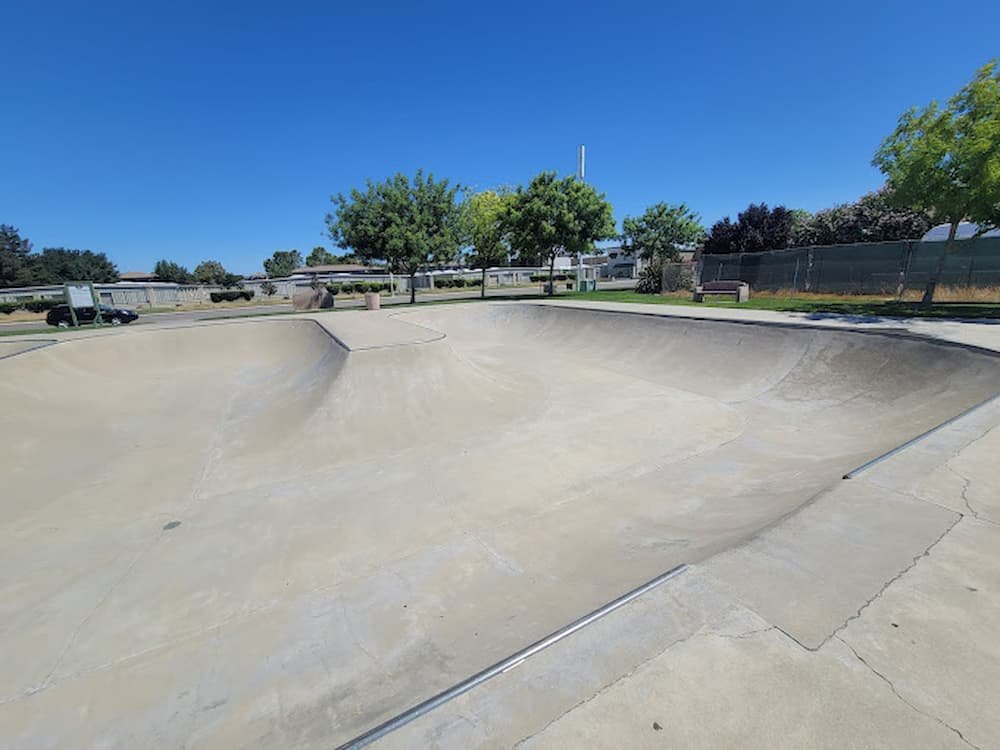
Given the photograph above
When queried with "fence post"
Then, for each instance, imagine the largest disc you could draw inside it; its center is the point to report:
(904, 272)
(809, 268)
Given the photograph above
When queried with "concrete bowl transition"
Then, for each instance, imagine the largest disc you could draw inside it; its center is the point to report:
(280, 533)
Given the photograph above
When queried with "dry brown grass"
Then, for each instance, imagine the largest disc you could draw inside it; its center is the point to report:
(942, 294)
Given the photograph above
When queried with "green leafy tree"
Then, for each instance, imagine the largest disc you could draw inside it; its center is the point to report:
(407, 224)
(282, 263)
(662, 231)
(166, 270)
(486, 230)
(872, 218)
(755, 230)
(945, 160)
(554, 216)
(210, 272)
(320, 256)
(57, 265)
(15, 258)
(268, 288)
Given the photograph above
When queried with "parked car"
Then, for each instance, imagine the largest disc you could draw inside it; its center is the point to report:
(60, 316)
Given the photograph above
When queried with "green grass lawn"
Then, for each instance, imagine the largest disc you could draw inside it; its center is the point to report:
(856, 306)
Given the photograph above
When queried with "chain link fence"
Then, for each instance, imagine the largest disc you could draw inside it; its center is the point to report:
(881, 268)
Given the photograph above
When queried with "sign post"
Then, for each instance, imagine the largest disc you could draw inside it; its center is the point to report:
(81, 294)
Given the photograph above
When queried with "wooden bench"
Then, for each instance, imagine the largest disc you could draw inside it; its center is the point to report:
(739, 289)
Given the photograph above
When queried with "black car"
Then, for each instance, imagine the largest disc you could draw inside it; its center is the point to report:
(60, 316)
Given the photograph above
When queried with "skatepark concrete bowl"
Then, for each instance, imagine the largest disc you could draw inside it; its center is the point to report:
(279, 533)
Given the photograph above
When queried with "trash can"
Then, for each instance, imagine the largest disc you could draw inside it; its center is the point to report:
(373, 300)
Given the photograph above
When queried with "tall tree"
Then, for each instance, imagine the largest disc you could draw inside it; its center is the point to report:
(946, 160)
(662, 231)
(554, 216)
(408, 224)
(282, 263)
(320, 256)
(486, 230)
(166, 270)
(758, 228)
(15, 258)
(57, 265)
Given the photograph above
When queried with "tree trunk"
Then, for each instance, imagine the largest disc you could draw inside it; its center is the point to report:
(933, 281)
(482, 287)
(413, 288)
(552, 267)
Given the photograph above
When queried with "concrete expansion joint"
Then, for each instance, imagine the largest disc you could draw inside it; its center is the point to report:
(903, 700)
(926, 553)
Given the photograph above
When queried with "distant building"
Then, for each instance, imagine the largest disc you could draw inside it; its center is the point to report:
(333, 268)
(966, 230)
(137, 276)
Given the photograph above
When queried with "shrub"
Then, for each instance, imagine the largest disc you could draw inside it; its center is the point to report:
(442, 283)
(651, 279)
(459, 281)
(231, 295)
(8, 307)
(268, 288)
(473, 282)
(347, 287)
(373, 287)
(40, 305)
(333, 289)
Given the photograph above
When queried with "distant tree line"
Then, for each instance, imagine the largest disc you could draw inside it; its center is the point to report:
(210, 272)
(21, 266)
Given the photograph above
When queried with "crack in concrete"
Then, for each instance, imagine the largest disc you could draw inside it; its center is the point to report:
(887, 584)
(903, 700)
(966, 484)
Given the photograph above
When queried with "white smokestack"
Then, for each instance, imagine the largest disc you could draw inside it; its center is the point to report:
(581, 163)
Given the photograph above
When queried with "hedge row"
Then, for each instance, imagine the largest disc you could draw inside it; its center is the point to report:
(231, 295)
(358, 287)
(457, 281)
(540, 278)
(31, 305)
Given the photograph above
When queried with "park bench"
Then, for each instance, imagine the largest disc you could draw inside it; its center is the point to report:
(739, 289)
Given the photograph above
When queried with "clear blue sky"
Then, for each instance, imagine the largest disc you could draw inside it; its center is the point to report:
(190, 131)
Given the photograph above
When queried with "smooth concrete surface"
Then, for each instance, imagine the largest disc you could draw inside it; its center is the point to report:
(277, 533)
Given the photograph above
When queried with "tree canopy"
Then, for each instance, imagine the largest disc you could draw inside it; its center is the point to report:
(486, 229)
(282, 263)
(874, 217)
(166, 270)
(407, 224)
(553, 216)
(756, 229)
(213, 272)
(662, 231)
(320, 256)
(15, 258)
(57, 265)
(945, 160)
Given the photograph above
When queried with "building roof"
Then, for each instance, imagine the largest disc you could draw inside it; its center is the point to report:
(138, 276)
(336, 268)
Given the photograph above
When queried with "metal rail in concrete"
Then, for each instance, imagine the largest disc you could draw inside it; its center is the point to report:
(504, 665)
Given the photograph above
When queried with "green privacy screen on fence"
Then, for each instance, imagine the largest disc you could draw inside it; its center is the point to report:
(876, 268)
